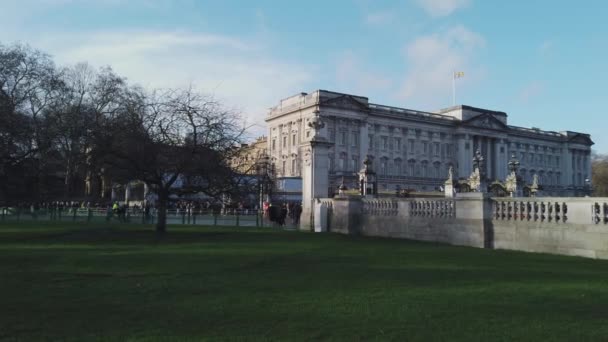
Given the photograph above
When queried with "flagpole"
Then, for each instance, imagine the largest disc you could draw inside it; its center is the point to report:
(454, 88)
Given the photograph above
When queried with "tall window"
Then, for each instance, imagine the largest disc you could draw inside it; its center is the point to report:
(293, 167)
(411, 142)
(398, 167)
(342, 138)
(437, 149)
(437, 170)
(283, 168)
(342, 161)
(274, 144)
(385, 143)
(352, 166)
(425, 147)
(371, 141)
(293, 140)
(411, 167)
(425, 169)
(284, 141)
(383, 166)
(354, 139)
(397, 144)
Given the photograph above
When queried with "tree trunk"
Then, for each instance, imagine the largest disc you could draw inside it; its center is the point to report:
(161, 223)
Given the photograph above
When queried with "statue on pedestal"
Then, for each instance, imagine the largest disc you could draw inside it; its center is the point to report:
(367, 179)
(448, 185)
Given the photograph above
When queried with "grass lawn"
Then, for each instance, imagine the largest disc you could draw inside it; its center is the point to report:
(91, 282)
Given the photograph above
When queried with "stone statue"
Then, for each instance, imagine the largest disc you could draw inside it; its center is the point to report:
(448, 187)
(535, 186)
(475, 181)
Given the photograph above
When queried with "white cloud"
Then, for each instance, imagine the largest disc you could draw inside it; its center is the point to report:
(237, 71)
(431, 61)
(353, 77)
(380, 17)
(545, 47)
(441, 8)
(530, 91)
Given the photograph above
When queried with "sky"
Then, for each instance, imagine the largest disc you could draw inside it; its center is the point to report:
(543, 62)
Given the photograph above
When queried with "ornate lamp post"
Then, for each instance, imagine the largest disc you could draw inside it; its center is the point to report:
(513, 182)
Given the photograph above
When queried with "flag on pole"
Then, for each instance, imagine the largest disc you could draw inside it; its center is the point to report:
(458, 74)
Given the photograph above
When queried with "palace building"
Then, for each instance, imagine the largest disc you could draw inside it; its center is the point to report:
(413, 149)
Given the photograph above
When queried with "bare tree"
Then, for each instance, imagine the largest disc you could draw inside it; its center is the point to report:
(599, 170)
(170, 138)
(28, 83)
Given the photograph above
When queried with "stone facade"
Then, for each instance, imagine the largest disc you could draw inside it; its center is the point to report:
(414, 149)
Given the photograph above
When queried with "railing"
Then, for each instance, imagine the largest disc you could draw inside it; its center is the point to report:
(536, 211)
(433, 208)
(379, 207)
(599, 213)
(225, 217)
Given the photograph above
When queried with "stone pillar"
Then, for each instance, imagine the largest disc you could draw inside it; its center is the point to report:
(315, 179)
(315, 172)
(146, 193)
(127, 193)
(113, 195)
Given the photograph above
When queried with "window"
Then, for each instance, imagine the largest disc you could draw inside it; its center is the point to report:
(411, 165)
(284, 141)
(412, 147)
(397, 144)
(353, 163)
(293, 140)
(283, 168)
(385, 143)
(425, 168)
(398, 170)
(425, 147)
(354, 139)
(437, 170)
(332, 135)
(371, 141)
(274, 144)
(383, 166)
(293, 167)
(437, 149)
(308, 134)
(557, 161)
(342, 138)
(342, 161)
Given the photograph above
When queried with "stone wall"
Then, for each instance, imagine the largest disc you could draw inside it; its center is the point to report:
(570, 226)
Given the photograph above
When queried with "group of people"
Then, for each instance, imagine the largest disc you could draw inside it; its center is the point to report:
(279, 213)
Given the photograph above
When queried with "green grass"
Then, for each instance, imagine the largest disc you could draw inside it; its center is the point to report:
(92, 282)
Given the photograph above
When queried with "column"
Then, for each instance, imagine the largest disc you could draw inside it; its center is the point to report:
(489, 156)
(464, 163)
(127, 192)
(567, 171)
(363, 143)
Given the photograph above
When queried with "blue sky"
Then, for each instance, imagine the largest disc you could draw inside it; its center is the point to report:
(542, 62)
